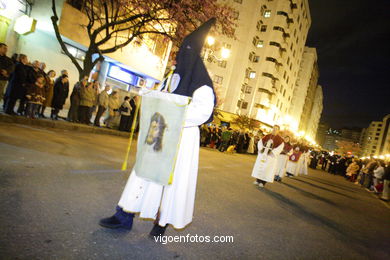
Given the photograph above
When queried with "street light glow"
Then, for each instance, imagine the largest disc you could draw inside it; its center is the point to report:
(225, 53)
(210, 40)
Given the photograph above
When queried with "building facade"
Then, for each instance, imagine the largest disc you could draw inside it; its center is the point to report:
(121, 69)
(375, 138)
(259, 77)
(304, 91)
(317, 105)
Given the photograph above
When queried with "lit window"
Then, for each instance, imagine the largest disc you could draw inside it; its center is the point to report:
(267, 13)
(250, 73)
(257, 42)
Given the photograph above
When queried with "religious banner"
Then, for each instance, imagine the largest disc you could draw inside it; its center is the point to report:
(161, 123)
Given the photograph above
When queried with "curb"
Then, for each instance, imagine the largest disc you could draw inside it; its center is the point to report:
(60, 124)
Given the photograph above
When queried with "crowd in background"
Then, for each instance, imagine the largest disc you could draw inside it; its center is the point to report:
(227, 139)
(371, 174)
(36, 90)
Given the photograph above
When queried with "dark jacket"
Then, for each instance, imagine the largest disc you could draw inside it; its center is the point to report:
(60, 94)
(35, 93)
(17, 83)
(6, 64)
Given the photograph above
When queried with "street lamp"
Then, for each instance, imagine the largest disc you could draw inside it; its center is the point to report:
(210, 40)
(211, 48)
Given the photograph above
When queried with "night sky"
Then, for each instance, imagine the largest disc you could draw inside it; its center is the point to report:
(352, 41)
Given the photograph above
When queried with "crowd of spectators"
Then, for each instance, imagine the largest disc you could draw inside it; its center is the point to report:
(370, 173)
(35, 89)
(227, 139)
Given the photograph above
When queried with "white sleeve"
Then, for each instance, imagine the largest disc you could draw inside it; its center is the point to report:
(201, 106)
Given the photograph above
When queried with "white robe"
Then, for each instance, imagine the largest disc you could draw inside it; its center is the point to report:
(302, 163)
(177, 200)
(292, 167)
(281, 163)
(251, 146)
(264, 168)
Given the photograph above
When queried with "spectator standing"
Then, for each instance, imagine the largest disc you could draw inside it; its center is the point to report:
(113, 110)
(125, 111)
(75, 97)
(102, 99)
(35, 96)
(49, 86)
(378, 174)
(352, 171)
(6, 68)
(87, 94)
(16, 89)
(96, 87)
(225, 139)
(60, 94)
(386, 183)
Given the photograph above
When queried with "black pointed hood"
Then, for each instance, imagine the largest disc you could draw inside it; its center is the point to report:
(189, 64)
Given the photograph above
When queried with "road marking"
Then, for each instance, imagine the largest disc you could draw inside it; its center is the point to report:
(33, 128)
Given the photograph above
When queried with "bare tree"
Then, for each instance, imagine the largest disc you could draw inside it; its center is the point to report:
(113, 24)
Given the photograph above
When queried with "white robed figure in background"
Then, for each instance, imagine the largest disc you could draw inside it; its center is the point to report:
(269, 147)
(174, 204)
(303, 161)
(292, 167)
(282, 159)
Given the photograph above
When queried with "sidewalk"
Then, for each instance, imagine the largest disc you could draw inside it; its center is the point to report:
(60, 124)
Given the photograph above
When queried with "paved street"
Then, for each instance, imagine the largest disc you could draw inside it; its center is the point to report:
(56, 184)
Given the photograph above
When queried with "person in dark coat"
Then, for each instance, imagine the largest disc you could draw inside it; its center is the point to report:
(6, 68)
(241, 143)
(75, 97)
(17, 85)
(60, 94)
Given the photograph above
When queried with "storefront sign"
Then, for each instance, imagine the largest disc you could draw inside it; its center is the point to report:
(121, 74)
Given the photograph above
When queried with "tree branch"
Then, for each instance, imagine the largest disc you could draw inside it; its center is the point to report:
(54, 20)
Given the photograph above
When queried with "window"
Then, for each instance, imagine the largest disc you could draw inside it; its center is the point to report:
(238, 1)
(259, 24)
(253, 57)
(268, 75)
(257, 42)
(217, 79)
(250, 73)
(271, 59)
(267, 13)
(239, 103)
(284, 93)
(244, 105)
(278, 28)
(248, 89)
(275, 44)
(222, 63)
(284, 75)
(79, 54)
(282, 13)
(376, 138)
(263, 28)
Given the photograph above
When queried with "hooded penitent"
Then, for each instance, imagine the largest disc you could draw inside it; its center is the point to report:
(190, 69)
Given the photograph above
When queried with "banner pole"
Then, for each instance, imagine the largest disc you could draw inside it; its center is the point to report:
(124, 165)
